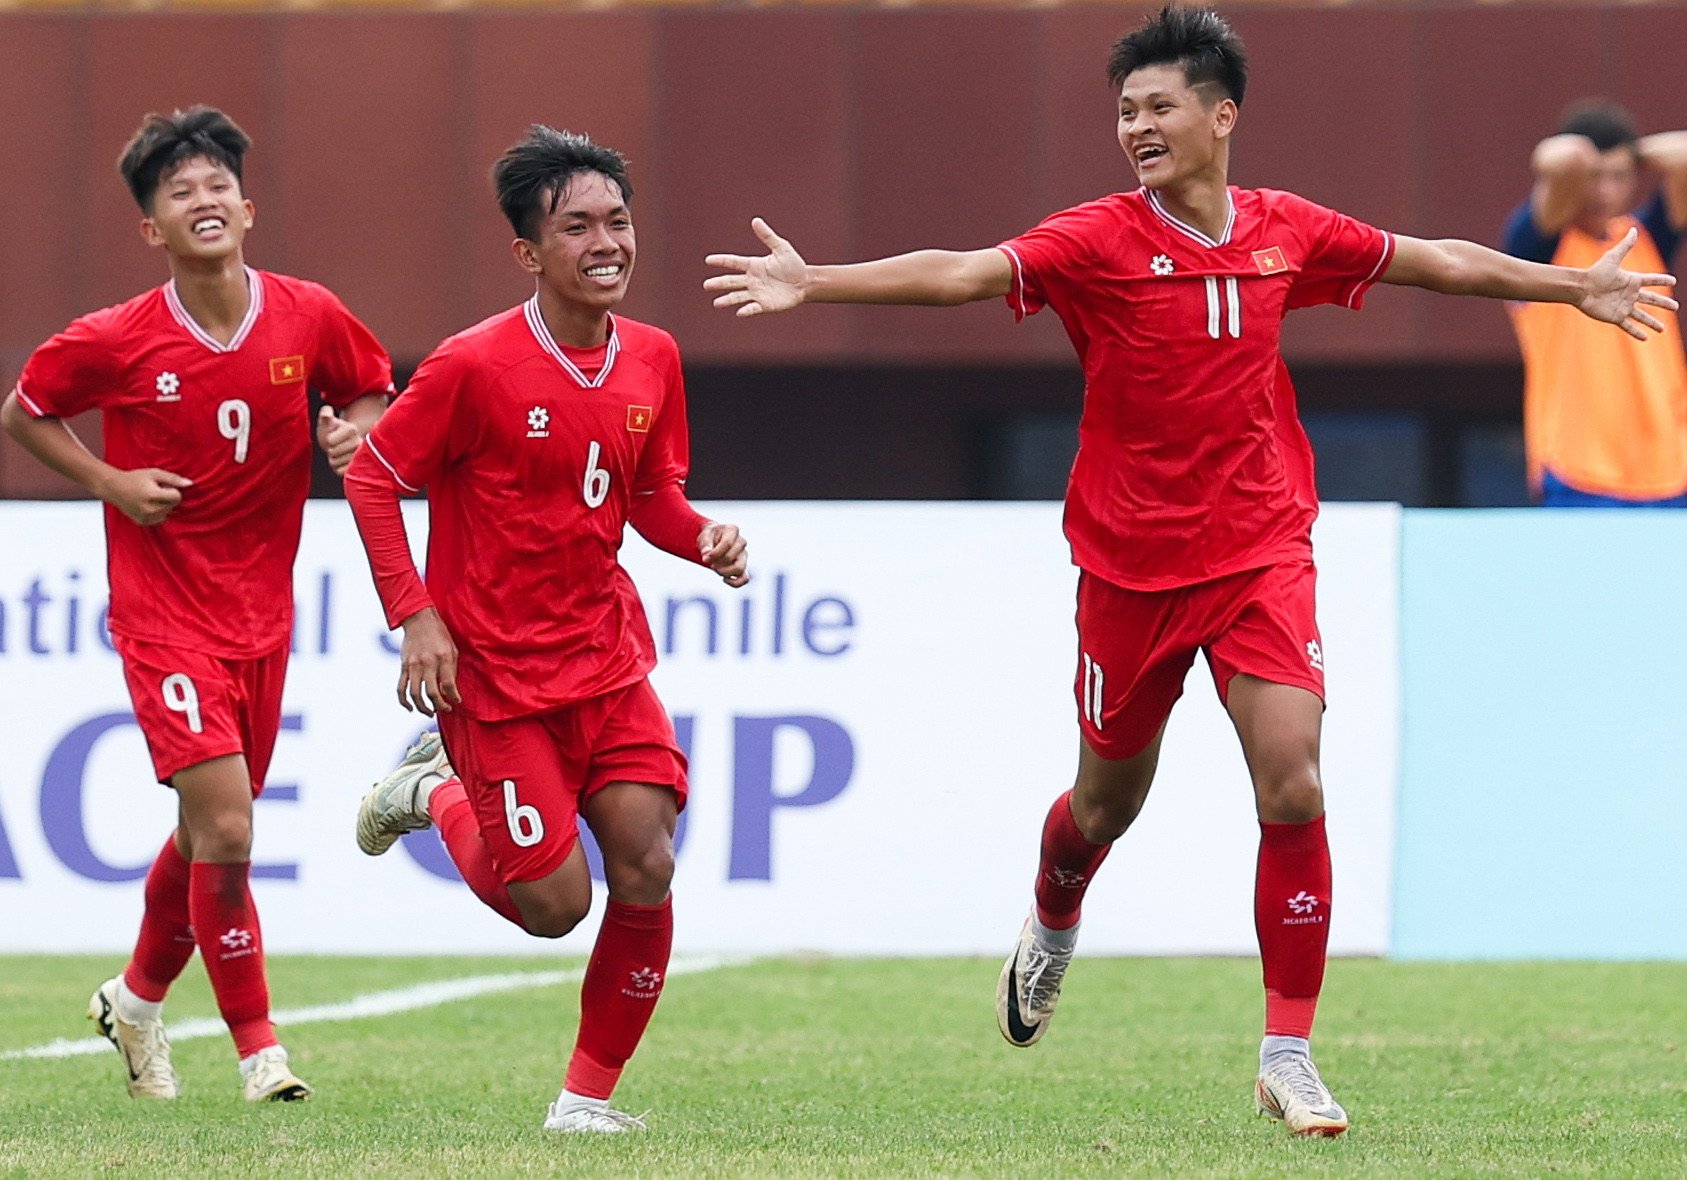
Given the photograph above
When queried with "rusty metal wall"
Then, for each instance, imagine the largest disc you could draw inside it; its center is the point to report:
(855, 131)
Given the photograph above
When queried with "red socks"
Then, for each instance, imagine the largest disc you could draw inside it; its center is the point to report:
(166, 939)
(623, 982)
(1292, 916)
(226, 924)
(453, 815)
(1068, 863)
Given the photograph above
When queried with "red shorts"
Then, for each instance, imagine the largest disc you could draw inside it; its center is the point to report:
(1136, 646)
(528, 776)
(193, 707)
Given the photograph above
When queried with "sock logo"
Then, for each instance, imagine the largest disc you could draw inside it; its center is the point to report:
(239, 942)
(1305, 904)
(644, 984)
(1067, 878)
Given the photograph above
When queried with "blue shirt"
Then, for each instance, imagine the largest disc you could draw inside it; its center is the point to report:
(1524, 239)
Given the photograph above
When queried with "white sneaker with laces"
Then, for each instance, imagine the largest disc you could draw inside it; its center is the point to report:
(399, 803)
(1028, 988)
(590, 1119)
(266, 1077)
(143, 1045)
(1290, 1090)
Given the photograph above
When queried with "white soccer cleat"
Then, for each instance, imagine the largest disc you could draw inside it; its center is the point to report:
(1290, 1090)
(399, 803)
(591, 1119)
(266, 1077)
(143, 1045)
(1028, 988)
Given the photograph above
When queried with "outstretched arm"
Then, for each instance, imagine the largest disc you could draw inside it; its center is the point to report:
(1603, 291)
(780, 279)
(1666, 155)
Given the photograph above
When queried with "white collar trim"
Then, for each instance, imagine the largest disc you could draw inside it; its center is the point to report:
(541, 333)
(1185, 228)
(254, 305)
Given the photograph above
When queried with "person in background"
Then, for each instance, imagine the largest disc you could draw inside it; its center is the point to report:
(1604, 415)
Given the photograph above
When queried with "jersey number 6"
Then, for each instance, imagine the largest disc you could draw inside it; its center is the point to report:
(596, 487)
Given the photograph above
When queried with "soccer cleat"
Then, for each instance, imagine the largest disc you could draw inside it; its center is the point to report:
(590, 1119)
(399, 803)
(1028, 988)
(1290, 1090)
(143, 1045)
(268, 1079)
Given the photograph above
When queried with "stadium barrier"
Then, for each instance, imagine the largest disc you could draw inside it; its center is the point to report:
(876, 726)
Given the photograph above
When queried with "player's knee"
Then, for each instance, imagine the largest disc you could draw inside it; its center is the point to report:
(224, 838)
(552, 917)
(1290, 793)
(643, 877)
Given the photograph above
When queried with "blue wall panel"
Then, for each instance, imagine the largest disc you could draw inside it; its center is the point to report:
(1543, 802)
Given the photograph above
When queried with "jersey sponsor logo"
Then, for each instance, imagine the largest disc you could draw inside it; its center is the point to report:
(538, 422)
(284, 370)
(169, 387)
(1162, 265)
(1315, 654)
(1271, 261)
(639, 417)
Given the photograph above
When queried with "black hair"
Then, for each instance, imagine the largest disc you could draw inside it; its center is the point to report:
(1602, 121)
(532, 176)
(1198, 39)
(164, 141)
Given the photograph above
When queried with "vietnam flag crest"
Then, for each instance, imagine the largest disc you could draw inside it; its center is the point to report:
(638, 419)
(1271, 261)
(284, 370)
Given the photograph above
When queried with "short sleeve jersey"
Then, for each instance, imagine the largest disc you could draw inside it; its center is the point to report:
(216, 575)
(531, 467)
(1191, 461)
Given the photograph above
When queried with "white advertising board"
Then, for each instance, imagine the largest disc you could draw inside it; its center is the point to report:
(877, 725)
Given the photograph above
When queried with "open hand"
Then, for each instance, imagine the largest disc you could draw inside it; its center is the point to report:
(1618, 296)
(777, 281)
(427, 678)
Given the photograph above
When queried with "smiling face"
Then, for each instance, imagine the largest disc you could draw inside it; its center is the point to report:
(583, 250)
(198, 212)
(1173, 131)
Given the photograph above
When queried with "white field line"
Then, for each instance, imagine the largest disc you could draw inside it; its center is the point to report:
(407, 999)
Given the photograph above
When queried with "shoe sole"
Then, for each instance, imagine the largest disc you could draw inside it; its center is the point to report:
(293, 1091)
(371, 841)
(1269, 1108)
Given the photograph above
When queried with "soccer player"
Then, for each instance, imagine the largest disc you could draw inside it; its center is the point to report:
(203, 385)
(1191, 502)
(539, 434)
(1604, 417)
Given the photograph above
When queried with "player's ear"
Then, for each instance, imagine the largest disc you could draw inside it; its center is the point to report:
(251, 211)
(149, 232)
(526, 256)
(1225, 114)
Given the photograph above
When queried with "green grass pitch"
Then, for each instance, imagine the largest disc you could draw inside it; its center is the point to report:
(872, 1067)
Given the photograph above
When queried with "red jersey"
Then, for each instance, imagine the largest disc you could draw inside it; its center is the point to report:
(216, 575)
(1191, 460)
(532, 468)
